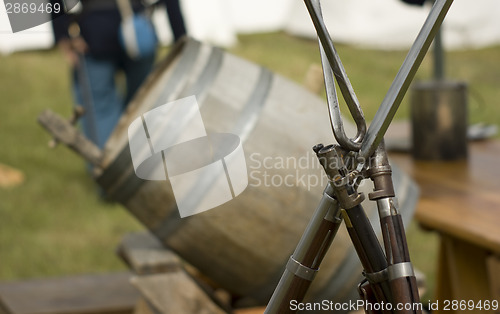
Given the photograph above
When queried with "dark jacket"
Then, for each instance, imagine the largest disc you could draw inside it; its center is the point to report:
(99, 22)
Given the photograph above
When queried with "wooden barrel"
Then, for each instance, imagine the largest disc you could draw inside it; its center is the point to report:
(243, 244)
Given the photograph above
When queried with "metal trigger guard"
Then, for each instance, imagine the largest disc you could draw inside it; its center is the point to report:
(333, 69)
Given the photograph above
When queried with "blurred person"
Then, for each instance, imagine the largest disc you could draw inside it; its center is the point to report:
(92, 42)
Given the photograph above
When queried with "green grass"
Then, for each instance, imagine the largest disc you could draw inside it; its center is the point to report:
(52, 224)
(371, 71)
(55, 224)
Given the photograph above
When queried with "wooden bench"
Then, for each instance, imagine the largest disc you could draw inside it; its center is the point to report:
(88, 294)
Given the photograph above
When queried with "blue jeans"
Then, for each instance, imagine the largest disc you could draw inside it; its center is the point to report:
(95, 89)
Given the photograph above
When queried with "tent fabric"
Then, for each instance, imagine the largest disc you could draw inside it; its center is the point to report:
(382, 24)
(392, 24)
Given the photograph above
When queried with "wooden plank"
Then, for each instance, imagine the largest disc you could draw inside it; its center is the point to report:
(107, 293)
(443, 280)
(146, 255)
(254, 310)
(465, 276)
(64, 132)
(467, 265)
(174, 293)
(143, 307)
(460, 198)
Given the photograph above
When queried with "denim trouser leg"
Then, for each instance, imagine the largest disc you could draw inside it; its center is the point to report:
(94, 89)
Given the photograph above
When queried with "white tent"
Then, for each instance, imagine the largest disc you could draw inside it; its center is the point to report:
(382, 24)
(392, 24)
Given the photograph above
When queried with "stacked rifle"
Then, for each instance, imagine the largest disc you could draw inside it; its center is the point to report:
(389, 280)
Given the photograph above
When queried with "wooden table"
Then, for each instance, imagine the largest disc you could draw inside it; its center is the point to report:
(84, 294)
(461, 201)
